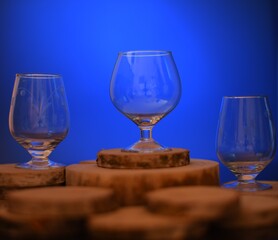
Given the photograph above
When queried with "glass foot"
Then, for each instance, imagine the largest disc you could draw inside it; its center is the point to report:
(247, 186)
(146, 147)
(39, 165)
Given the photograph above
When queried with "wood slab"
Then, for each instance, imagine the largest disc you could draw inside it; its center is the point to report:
(202, 203)
(14, 177)
(255, 212)
(116, 158)
(130, 185)
(60, 202)
(135, 223)
(26, 227)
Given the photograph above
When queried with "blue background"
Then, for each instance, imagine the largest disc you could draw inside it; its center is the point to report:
(220, 48)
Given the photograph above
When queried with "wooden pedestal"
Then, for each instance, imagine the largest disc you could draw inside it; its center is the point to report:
(255, 212)
(116, 158)
(135, 223)
(52, 212)
(60, 201)
(130, 185)
(12, 178)
(203, 203)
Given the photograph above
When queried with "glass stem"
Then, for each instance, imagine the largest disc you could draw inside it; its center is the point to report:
(247, 178)
(146, 133)
(39, 157)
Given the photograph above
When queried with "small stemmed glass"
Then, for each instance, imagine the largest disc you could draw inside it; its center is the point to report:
(39, 116)
(145, 87)
(246, 141)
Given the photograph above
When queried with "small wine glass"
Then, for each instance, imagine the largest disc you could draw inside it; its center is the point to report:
(145, 87)
(246, 141)
(39, 117)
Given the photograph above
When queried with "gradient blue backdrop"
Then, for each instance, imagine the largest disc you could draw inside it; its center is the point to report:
(220, 48)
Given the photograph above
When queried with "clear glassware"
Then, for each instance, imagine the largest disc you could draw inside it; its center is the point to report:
(145, 87)
(246, 140)
(39, 116)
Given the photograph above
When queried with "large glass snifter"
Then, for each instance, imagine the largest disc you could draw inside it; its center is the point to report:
(39, 116)
(246, 141)
(145, 87)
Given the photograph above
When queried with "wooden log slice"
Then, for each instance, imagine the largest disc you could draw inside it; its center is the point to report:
(52, 212)
(26, 227)
(13, 177)
(255, 212)
(202, 203)
(116, 158)
(130, 185)
(135, 223)
(60, 201)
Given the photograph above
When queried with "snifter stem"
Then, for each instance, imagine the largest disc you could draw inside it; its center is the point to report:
(146, 133)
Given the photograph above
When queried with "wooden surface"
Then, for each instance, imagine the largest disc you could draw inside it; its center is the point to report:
(116, 158)
(52, 212)
(135, 223)
(28, 227)
(255, 212)
(130, 185)
(256, 218)
(60, 201)
(67, 214)
(13, 177)
(203, 203)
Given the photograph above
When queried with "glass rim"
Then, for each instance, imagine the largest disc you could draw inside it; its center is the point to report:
(145, 53)
(245, 97)
(38, 75)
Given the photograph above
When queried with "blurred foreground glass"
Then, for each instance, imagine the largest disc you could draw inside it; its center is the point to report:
(246, 141)
(39, 116)
(145, 87)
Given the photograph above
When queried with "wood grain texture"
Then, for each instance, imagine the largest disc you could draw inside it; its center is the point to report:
(202, 203)
(135, 223)
(60, 201)
(26, 227)
(116, 158)
(130, 185)
(255, 212)
(13, 177)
